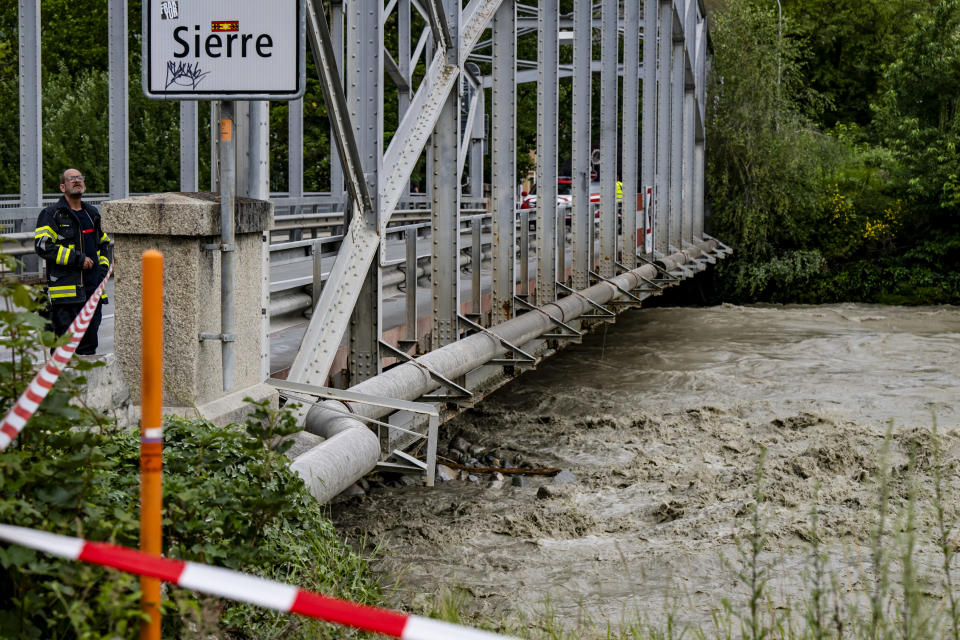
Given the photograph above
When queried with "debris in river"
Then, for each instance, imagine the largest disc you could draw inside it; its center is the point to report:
(546, 471)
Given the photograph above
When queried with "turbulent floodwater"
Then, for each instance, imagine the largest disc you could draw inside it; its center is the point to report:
(662, 419)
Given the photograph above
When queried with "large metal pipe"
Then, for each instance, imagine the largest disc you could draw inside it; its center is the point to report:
(352, 449)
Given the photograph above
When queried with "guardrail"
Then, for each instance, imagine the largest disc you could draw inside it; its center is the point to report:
(298, 294)
(318, 207)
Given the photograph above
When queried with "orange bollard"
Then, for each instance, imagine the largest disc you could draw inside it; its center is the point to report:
(151, 434)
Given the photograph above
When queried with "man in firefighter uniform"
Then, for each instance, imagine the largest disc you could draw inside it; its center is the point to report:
(77, 254)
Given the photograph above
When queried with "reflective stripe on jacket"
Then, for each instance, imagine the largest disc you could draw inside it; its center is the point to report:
(58, 240)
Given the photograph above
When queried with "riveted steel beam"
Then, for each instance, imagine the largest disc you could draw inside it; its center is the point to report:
(118, 102)
(503, 161)
(189, 165)
(661, 205)
(31, 123)
(677, 84)
(445, 212)
(547, 96)
(631, 133)
(609, 107)
(648, 171)
(581, 219)
(364, 82)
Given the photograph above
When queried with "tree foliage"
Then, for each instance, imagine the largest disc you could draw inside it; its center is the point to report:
(846, 45)
(865, 209)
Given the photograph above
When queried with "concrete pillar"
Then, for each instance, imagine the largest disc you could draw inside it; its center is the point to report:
(186, 229)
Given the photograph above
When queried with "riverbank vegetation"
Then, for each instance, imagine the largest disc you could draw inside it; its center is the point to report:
(832, 150)
(230, 500)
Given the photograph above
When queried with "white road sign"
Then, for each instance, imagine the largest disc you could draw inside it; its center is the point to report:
(223, 49)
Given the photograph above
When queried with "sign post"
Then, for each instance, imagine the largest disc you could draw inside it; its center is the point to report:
(224, 50)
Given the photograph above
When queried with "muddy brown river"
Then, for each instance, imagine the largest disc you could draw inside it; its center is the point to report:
(661, 420)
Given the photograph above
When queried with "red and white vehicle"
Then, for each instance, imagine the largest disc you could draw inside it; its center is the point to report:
(565, 194)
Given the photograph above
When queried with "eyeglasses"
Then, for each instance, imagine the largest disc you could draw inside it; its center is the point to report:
(73, 179)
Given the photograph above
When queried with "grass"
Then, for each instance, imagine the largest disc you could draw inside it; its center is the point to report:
(906, 588)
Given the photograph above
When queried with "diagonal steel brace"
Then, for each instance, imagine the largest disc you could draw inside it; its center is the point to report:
(669, 276)
(657, 287)
(525, 358)
(605, 313)
(572, 334)
(450, 384)
(633, 298)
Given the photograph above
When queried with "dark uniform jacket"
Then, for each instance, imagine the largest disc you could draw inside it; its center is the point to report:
(58, 239)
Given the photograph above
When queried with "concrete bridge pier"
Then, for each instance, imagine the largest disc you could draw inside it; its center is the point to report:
(185, 227)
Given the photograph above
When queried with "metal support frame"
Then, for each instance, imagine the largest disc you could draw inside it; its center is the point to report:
(31, 123)
(476, 260)
(336, 42)
(437, 14)
(364, 81)
(547, 97)
(503, 162)
(631, 299)
(445, 215)
(294, 391)
(347, 133)
(689, 104)
(676, 142)
(722, 250)
(241, 144)
(295, 150)
(668, 278)
(609, 103)
(258, 187)
(648, 170)
(214, 146)
(631, 133)
(519, 357)
(700, 133)
(458, 391)
(118, 106)
(410, 294)
(605, 314)
(661, 192)
(581, 219)
(571, 333)
(189, 161)
(649, 287)
(476, 136)
(524, 255)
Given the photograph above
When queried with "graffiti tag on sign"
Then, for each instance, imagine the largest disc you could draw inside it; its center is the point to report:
(185, 74)
(169, 9)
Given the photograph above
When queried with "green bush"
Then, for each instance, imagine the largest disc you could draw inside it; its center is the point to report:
(230, 500)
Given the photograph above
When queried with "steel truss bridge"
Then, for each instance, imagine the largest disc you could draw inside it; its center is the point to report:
(454, 69)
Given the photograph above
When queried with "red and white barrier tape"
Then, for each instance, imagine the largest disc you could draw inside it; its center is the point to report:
(33, 395)
(243, 587)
